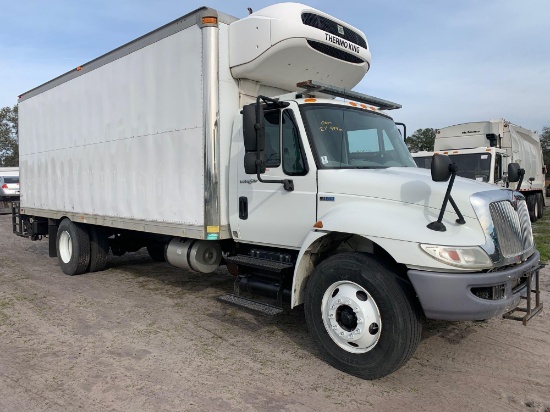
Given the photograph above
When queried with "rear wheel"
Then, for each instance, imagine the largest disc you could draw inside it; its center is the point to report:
(540, 203)
(361, 318)
(73, 248)
(532, 207)
(99, 249)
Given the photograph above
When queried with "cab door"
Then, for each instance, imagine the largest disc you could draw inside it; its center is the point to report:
(269, 214)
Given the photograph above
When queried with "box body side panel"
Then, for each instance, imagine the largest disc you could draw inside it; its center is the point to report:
(124, 140)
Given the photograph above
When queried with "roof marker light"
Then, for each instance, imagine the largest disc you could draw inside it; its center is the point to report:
(209, 20)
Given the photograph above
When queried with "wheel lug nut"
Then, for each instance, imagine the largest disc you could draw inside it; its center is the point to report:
(334, 326)
(341, 333)
(358, 330)
(331, 315)
(339, 300)
(359, 320)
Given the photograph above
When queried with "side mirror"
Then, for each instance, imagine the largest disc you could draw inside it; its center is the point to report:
(441, 168)
(493, 139)
(250, 163)
(513, 172)
(252, 140)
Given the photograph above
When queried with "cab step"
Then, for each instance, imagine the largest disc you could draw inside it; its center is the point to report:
(251, 304)
(259, 263)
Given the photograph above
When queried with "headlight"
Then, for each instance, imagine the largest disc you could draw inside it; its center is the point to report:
(462, 256)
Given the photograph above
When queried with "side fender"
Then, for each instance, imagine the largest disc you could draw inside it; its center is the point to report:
(396, 227)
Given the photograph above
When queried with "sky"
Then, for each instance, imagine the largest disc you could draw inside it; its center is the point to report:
(445, 62)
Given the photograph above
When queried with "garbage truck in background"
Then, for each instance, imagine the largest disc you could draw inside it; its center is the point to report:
(483, 150)
(222, 141)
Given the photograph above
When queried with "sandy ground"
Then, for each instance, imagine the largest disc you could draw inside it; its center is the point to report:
(147, 336)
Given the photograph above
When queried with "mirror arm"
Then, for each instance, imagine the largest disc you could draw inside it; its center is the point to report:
(438, 225)
(404, 130)
(460, 219)
(521, 173)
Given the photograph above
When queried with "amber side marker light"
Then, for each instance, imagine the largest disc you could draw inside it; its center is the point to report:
(318, 224)
(79, 68)
(310, 100)
(209, 20)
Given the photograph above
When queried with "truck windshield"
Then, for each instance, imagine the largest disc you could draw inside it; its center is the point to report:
(475, 166)
(349, 138)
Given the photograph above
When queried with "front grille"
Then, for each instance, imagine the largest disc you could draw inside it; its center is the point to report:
(334, 52)
(513, 228)
(322, 23)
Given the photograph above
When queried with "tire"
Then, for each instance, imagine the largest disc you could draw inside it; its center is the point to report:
(540, 203)
(392, 324)
(99, 249)
(156, 252)
(531, 207)
(73, 248)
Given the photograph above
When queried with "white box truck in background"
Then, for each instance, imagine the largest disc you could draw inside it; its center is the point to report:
(483, 150)
(197, 142)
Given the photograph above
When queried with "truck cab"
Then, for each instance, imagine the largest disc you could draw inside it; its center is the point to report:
(483, 164)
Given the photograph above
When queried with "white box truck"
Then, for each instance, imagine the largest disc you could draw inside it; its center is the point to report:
(483, 151)
(218, 141)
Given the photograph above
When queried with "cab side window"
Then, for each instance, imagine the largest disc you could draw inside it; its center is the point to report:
(272, 153)
(293, 157)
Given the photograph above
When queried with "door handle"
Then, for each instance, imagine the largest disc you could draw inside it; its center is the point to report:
(243, 208)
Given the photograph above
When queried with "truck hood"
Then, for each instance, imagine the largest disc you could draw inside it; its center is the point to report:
(400, 184)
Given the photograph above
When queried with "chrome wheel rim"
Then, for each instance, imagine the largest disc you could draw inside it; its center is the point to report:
(351, 317)
(65, 247)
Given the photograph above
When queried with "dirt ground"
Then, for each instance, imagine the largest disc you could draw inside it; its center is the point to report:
(146, 336)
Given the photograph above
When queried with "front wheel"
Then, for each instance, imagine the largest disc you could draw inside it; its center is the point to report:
(361, 318)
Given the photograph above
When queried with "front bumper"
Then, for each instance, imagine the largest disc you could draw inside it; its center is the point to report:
(449, 296)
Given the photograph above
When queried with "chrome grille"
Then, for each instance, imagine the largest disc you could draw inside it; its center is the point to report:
(513, 228)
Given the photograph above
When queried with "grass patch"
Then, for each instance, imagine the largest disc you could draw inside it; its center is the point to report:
(541, 232)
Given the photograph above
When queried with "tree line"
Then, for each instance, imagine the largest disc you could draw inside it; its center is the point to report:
(9, 136)
(420, 140)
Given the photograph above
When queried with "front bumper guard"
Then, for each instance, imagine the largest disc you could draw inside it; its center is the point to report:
(449, 296)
